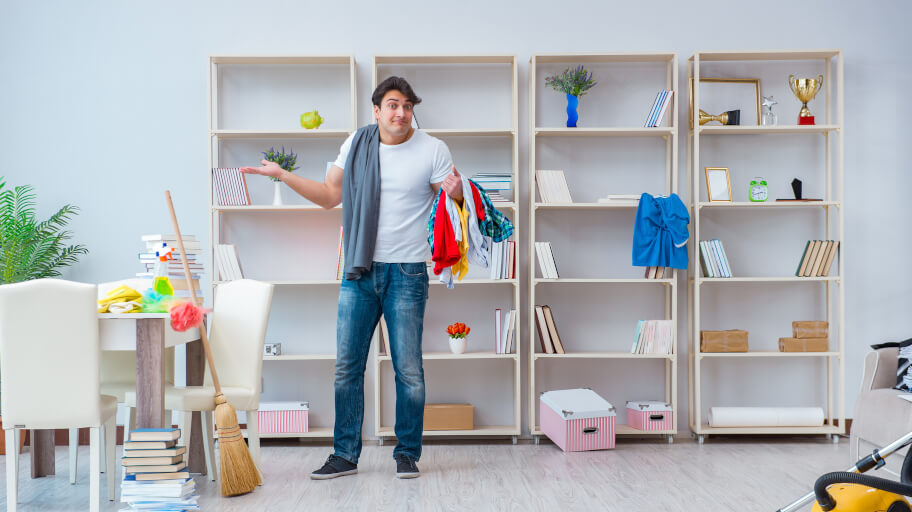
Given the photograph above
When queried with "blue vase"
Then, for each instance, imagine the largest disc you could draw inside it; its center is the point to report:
(572, 116)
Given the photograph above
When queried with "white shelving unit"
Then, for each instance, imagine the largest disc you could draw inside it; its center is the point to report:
(448, 85)
(553, 146)
(704, 142)
(254, 103)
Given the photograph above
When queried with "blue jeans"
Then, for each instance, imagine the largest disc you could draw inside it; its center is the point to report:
(399, 291)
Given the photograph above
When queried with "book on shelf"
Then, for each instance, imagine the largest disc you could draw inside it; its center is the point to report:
(552, 330)
(502, 260)
(498, 329)
(340, 258)
(230, 187)
(546, 261)
(498, 186)
(510, 330)
(713, 260)
(817, 258)
(228, 262)
(659, 108)
(653, 337)
(504, 326)
(615, 198)
(552, 187)
(655, 273)
(541, 326)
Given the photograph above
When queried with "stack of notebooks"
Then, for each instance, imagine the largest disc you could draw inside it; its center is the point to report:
(547, 331)
(817, 258)
(546, 260)
(498, 186)
(229, 187)
(226, 257)
(653, 337)
(157, 243)
(552, 187)
(713, 260)
(659, 107)
(504, 331)
(155, 477)
(502, 260)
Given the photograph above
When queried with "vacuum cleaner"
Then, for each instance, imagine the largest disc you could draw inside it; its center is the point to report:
(853, 491)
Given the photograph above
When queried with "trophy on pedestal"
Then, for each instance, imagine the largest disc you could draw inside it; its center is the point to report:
(805, 89)
(730, 118)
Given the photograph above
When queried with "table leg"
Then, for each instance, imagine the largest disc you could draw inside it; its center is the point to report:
(42, 447)
(150, 372)
(196, 366)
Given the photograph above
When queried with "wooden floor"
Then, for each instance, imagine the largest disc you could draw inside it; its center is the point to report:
(732, 474)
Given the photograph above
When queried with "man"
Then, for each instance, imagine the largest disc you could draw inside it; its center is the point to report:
(385, 212)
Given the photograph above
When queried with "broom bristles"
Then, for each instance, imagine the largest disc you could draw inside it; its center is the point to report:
(239, 473)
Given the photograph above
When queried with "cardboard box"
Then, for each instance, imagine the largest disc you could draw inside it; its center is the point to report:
(733, 340)
(802, 344)
(283, 417)
(810, 329)
(449, 417)
(577, 419)
(650, 415)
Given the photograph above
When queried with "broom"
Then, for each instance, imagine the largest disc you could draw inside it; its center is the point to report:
(238, 472)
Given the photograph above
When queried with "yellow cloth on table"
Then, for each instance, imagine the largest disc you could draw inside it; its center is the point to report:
(461, 267)
(122, 299)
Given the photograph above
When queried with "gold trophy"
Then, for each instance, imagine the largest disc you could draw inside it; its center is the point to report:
(805, 89)
(730, 118)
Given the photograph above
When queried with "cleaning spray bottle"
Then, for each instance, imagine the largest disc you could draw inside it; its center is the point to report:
(161, 283)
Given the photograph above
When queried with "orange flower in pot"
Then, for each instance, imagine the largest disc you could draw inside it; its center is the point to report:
(458, 333)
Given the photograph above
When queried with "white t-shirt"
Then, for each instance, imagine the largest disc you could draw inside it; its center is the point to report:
(406, 173)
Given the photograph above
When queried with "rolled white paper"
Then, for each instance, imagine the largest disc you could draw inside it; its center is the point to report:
(765, 417)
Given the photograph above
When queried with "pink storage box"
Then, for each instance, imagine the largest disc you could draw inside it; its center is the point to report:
(650, 415)
(283, 417)
(577, 420)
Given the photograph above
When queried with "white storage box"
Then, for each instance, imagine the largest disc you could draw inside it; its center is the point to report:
(283, 417)
(650, 415)
(577, 420)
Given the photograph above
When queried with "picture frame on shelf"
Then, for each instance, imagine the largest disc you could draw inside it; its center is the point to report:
(724, 94)
(718, 184)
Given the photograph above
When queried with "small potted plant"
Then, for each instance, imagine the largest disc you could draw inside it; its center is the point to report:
(286, 161)
(458, 333)
(574, 83)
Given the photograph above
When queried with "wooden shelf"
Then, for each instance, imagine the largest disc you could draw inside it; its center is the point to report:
(281, 134)
(591, 57)
(485, 430)
(791, 279)
(633, 280)
(605, 132)
(767, 353)
(451, 356)
(443, 59)
(767, 130)
(434, 281)
(272, 208)
(825, 429)
(717, 56)
(314, 432)
(305, 282)
(301, 357)
(603, 355)
(281, 59)
(769, 204)
(439, 132)
(586, 206)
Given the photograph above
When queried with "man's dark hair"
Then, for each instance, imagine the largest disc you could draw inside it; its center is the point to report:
(394, 83)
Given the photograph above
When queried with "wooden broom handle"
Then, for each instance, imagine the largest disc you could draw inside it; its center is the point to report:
(183, 254)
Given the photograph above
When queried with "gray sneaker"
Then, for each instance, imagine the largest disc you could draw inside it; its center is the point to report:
(406, 467)
(333, 468)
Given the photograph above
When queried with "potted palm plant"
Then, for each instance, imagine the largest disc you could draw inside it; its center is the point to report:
(29, 248)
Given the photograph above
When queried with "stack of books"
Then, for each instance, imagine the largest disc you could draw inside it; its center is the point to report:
(229, 267)
(498, 186)
(653, 337)
(817, 258)
(659, 107)
(158, 243)
(552, 187)
(547, 331)
(502, 260)
(155, 477)
(713, 260)
(546, 260)
(504, 331)
(229, 187)
(656, 273)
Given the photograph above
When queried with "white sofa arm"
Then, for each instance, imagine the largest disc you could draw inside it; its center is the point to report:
(880, 369)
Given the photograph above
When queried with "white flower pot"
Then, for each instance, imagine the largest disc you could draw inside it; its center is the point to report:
(277, 193)
(457, 345)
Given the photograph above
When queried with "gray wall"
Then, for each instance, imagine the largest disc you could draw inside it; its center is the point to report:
(103, 105)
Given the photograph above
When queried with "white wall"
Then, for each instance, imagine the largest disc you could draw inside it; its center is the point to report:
(103, 105)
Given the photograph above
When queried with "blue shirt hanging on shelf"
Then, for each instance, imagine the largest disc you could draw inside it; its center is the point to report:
(660, 233)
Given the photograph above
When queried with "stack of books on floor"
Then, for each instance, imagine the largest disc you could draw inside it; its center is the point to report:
(547, 331)
(229, 187)
(653, 337)
(498, 186)
(546, 260)
(502, 260)
(504, 331)
(713, 260)
(157, 244)
(552, 187)
(659, 107)
(817, 258)
(155, 478)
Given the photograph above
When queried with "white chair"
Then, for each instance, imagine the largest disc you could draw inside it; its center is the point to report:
(49, 359)
(237, 331)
